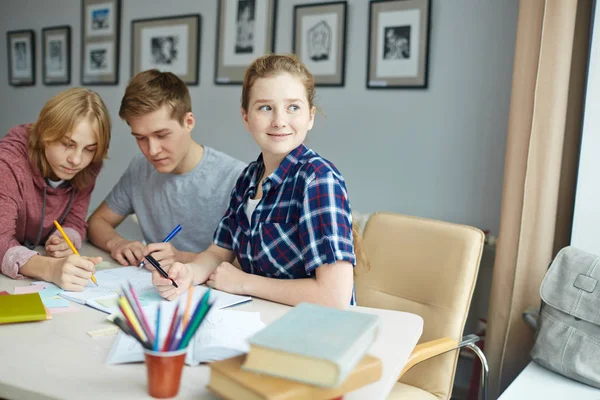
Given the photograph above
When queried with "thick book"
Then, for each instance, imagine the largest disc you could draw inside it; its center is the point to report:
(313, 344)
(230, 381)
(22, 308)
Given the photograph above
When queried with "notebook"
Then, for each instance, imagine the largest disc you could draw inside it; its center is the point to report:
(223, 333)
(22, 308)
(104, 297)
(230, 381)
(313, 344)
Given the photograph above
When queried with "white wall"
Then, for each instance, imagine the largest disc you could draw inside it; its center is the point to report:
(435, 153)
(586, 219)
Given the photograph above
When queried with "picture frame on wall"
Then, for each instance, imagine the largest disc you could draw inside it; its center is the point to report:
(56, 55)
(100, 33)
(398, 44)
(319, 40)
(20, 47)
(245, 31)
(170, 44)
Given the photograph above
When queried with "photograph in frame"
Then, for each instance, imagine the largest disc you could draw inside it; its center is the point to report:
(245, 31)
(21, 57)
(56, 55)
(398, 44)
(100, 36)
(319, 40)
(170, 44)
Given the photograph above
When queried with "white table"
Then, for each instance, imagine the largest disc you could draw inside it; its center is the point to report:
(537, 382)
(58, 359)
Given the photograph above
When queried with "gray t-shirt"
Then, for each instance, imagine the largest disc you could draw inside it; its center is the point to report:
(197, 199)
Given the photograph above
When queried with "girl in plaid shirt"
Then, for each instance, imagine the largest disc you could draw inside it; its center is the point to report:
(289, 222)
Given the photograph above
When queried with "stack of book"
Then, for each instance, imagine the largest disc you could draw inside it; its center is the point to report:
(312, 352)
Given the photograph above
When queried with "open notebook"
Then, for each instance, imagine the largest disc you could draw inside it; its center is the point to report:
(223, 334)
(104, 297)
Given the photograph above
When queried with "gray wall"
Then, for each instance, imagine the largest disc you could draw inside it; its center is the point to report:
(435, 153)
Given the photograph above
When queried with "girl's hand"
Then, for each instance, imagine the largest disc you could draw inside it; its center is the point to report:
(74, 272)
(57, 247)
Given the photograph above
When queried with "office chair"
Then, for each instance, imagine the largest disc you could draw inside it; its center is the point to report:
(428, 268)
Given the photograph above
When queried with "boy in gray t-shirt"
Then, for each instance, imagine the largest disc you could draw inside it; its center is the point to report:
(175, 181)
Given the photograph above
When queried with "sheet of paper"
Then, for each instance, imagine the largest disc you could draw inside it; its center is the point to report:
(61, 310)
(55, 302)
(110, 282)
(48, 292)
(28, 289)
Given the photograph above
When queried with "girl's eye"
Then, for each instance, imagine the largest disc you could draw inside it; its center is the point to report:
(163, 136)
(294, 107)
(139, 138)
(68, 145)
(265, 108)
(91, 150)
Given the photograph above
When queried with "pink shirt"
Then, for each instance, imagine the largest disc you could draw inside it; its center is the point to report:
(22, 199)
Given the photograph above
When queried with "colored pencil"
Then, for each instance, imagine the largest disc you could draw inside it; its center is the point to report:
(128, 313)
(139, 306)
(73, 249)
(188, 306)
(157, 335)
(171, 328)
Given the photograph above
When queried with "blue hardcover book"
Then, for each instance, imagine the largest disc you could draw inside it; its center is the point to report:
(312, 344)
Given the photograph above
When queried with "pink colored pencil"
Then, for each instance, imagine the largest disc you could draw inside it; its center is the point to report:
(139, 305)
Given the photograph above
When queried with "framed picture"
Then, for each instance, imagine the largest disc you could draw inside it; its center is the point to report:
(319, 39)
(101, 24)
(21, 57)
(169, 44)
(245, 31)
(56, 55)
(398, 43)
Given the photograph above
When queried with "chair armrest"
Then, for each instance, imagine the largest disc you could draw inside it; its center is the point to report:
(427, 350)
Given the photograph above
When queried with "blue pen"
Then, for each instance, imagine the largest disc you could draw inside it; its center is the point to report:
(169, 237)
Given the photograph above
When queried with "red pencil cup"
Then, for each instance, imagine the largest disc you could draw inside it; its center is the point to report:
(164, 372)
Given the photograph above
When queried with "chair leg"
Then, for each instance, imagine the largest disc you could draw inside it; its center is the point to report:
(484, 369)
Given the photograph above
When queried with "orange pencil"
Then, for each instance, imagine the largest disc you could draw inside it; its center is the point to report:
(64, 235)
(186, 314)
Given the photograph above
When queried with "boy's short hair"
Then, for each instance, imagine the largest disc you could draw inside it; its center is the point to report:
(149, 90)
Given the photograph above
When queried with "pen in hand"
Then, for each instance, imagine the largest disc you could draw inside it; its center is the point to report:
(156, 265)
(170, 236)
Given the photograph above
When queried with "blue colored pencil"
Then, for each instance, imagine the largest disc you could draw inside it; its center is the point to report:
(157, 328)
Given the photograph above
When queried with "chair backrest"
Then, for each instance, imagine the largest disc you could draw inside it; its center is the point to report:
(428, 268)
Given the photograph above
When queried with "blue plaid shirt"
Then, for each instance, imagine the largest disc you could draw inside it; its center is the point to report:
(302, 221)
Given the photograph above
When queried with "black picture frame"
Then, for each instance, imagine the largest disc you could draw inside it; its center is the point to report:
(393, 60)
(232, 57)
(319, 40)
(100, 41)
(163, 51)
(20, 51)
(56, 55)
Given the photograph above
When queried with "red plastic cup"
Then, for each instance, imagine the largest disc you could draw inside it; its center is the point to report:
(164, 372)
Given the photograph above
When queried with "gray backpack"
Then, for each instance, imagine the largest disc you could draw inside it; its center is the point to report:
(568, 336)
